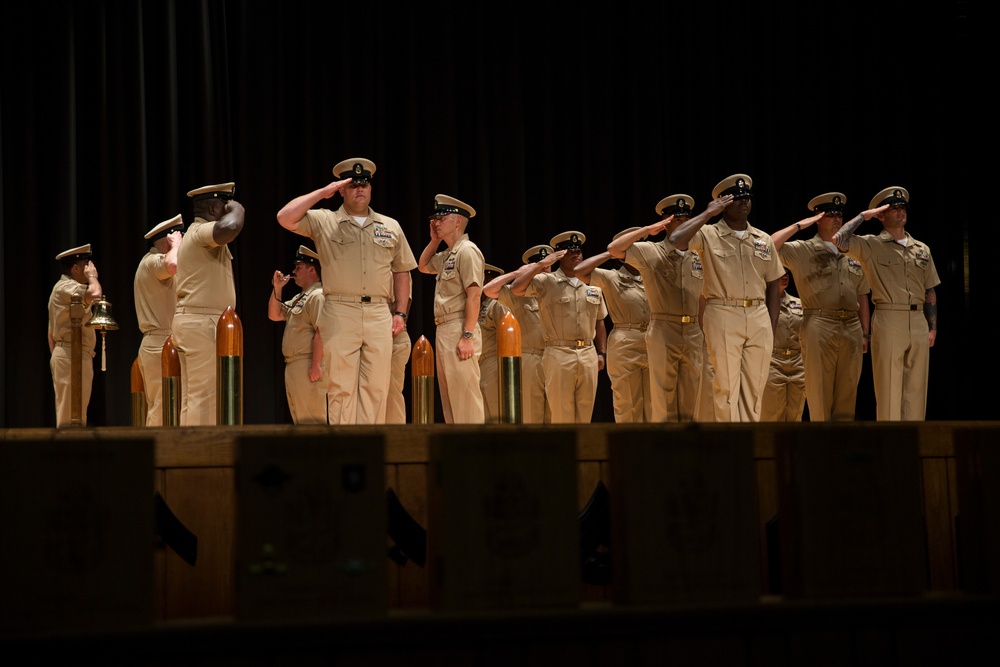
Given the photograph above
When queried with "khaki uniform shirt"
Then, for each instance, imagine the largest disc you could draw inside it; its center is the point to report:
(59, 316)
(490, 314)
(826, 280)
(736, 268)
(898, 274)
(357, 261)
(301, 314)
(457, 268)
(154, 293)
(204, 276)
(525, 310)
(786, 335)
(673, 279)
(624, 295)
(568, 312)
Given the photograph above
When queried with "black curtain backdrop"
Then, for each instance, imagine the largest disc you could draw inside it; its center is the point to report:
(545, 117)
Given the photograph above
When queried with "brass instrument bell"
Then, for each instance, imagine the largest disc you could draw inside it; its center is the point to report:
(104, 322)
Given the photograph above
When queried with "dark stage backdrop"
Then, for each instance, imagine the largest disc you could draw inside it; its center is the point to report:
(545, 117)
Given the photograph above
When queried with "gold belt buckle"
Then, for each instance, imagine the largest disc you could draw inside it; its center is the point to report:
(747, 303)
(581, 343)
(685, 319)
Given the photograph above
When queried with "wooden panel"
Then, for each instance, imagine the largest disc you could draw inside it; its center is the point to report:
(978, 475)
(160, 557)
(851, 522)
(503, 529)
(77, 528)
(203, 500)
(767, 509)
(392, 482)
(938, 513)
(411, 578)
(684, 517)
(310, 527)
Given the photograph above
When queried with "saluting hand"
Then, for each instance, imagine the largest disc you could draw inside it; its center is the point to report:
(551, 259)
(435, 235)
(718, 205)
(334, 188)
(658, 227)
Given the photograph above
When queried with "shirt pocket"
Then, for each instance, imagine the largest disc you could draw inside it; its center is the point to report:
(387, 243)
(892, 263)
(726, 260)
(823, 278)
(343, 245)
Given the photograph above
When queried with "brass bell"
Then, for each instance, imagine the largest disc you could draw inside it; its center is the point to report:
(102, 318)
(104, 322)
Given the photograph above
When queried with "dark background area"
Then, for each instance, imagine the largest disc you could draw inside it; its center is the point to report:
(544, 117)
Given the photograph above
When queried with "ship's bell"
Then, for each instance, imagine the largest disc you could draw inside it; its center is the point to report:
(102, 318)
(103, 322)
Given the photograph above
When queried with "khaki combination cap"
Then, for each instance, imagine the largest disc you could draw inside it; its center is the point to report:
(165, 227)
(359, 169)
(678, 205)
(828, 202)
(306, 256)
(738, 185)
(568, 241)
(224, 191)
(490, 268)
(77, 253)
(894, 196)
(536, 253)
(445, 205)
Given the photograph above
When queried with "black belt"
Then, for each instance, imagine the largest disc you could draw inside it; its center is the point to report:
(363, 298)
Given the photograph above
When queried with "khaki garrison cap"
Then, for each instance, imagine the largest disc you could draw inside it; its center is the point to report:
(306, 256)
(164, 228)
(80, 252)
(224, 191)
(568, 241)
(626, 231)
(445, 205)
(536, 253)
(893, 196)
(828, 202)
(737, 185)
(675, 205)
(359, 169)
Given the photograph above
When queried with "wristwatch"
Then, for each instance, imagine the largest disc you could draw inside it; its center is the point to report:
(466, 335)
(401, 314)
